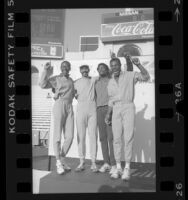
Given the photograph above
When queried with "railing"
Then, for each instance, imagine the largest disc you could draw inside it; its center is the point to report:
(41, 115)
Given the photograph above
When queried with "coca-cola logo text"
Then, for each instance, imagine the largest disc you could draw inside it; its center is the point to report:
(132, 28)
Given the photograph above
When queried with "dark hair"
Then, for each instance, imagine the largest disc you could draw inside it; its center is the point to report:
(68, 63)
(105, 65)
(84, 66)
(53, 90)
(116, 59)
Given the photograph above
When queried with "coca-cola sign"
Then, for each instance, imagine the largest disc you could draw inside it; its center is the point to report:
(128, 30)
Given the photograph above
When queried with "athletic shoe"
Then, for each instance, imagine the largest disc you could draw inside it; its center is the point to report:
(94, 167)
(80, 168)
(60, 169)
(112, 169)
(116, 173)
(66, 167)
(126, 174)
(104, 168)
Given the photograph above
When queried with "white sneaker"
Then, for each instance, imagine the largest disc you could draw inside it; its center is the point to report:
(105, 167)
(112, 169)
(80, 167)
(94, 167)
(116, 173)
(60, 169)
(126, 174)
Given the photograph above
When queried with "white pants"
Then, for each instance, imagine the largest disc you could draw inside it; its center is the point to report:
(123, 123)
(87, 118)
(63, 122)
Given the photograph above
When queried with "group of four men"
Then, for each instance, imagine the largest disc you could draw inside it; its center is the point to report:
(104, 102)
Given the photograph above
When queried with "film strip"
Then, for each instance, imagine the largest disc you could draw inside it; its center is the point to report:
(169, 88)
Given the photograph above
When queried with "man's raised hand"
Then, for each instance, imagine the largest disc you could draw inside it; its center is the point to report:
(47, 66)
(136, 61)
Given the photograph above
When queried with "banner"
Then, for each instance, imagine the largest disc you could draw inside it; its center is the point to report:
(127, 31)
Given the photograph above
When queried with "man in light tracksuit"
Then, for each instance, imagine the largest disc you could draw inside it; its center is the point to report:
(86, 117)
(62, 112)
(121, 96)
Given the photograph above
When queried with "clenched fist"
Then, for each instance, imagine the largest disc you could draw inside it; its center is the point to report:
(48, 69)
(47, 66)
(113, 55)
(136, 61)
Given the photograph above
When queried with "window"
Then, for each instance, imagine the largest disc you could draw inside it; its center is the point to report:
(89, 43)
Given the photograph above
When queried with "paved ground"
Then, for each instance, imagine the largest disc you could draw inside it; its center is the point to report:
(142, 177)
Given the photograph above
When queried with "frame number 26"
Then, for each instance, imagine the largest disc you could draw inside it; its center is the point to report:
(179, 191)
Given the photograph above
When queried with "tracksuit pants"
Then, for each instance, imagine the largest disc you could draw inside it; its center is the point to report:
(87, 119)
(106, 136)
(63, 121)
(123, 124)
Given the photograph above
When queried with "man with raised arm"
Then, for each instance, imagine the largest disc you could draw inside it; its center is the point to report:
(62, 112)
(121, 96)
(105, 130)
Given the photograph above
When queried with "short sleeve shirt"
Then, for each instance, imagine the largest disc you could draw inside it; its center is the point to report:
(101, 91)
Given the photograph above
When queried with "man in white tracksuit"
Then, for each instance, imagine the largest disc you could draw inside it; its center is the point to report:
(62, 112)
(86, 117)
(121, 105)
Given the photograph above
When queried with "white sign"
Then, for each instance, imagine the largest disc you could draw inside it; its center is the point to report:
(129, 12)
(129, 30)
